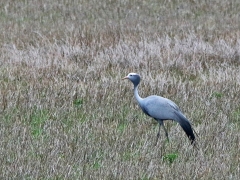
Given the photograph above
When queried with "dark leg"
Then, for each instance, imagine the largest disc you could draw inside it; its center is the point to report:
(166, 133)
(158, 134)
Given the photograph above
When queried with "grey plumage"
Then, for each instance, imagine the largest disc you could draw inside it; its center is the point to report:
(161, 109)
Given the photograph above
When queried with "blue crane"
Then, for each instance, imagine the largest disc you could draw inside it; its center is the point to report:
(161, 109)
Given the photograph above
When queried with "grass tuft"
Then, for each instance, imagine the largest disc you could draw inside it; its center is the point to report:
(170, 157)
(37, 121)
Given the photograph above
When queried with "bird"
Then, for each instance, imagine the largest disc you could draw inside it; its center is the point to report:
(161, 109)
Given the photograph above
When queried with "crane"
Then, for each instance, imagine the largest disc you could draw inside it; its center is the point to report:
(161, 109)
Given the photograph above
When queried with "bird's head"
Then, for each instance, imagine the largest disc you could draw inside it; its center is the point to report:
(134, 78)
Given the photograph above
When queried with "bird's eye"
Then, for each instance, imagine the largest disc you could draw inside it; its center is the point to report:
(130, 74)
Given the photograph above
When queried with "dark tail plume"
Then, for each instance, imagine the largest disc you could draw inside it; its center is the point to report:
(185, 124)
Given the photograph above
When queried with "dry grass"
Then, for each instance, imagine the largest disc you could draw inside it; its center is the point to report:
(66, 114)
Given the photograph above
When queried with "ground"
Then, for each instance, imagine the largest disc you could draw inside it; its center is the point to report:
(66, 114)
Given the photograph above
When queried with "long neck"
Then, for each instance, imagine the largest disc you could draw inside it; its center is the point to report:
(139, 99)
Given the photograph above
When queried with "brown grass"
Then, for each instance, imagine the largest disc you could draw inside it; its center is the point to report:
(66, 114)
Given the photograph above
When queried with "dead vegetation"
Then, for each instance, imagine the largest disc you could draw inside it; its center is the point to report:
(66, 114)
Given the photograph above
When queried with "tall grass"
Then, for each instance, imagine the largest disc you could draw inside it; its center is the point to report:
(66, 114)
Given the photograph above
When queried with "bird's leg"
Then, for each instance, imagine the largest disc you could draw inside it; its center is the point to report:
(158, 134)
(166, 133)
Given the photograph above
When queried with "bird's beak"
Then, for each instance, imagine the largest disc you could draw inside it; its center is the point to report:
(125, 78)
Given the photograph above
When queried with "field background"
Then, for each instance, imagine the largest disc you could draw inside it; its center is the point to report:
(65, 113)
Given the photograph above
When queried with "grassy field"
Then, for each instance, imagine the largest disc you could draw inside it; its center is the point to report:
(65, 113)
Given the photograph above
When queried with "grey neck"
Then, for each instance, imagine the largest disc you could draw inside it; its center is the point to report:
(136, 94)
